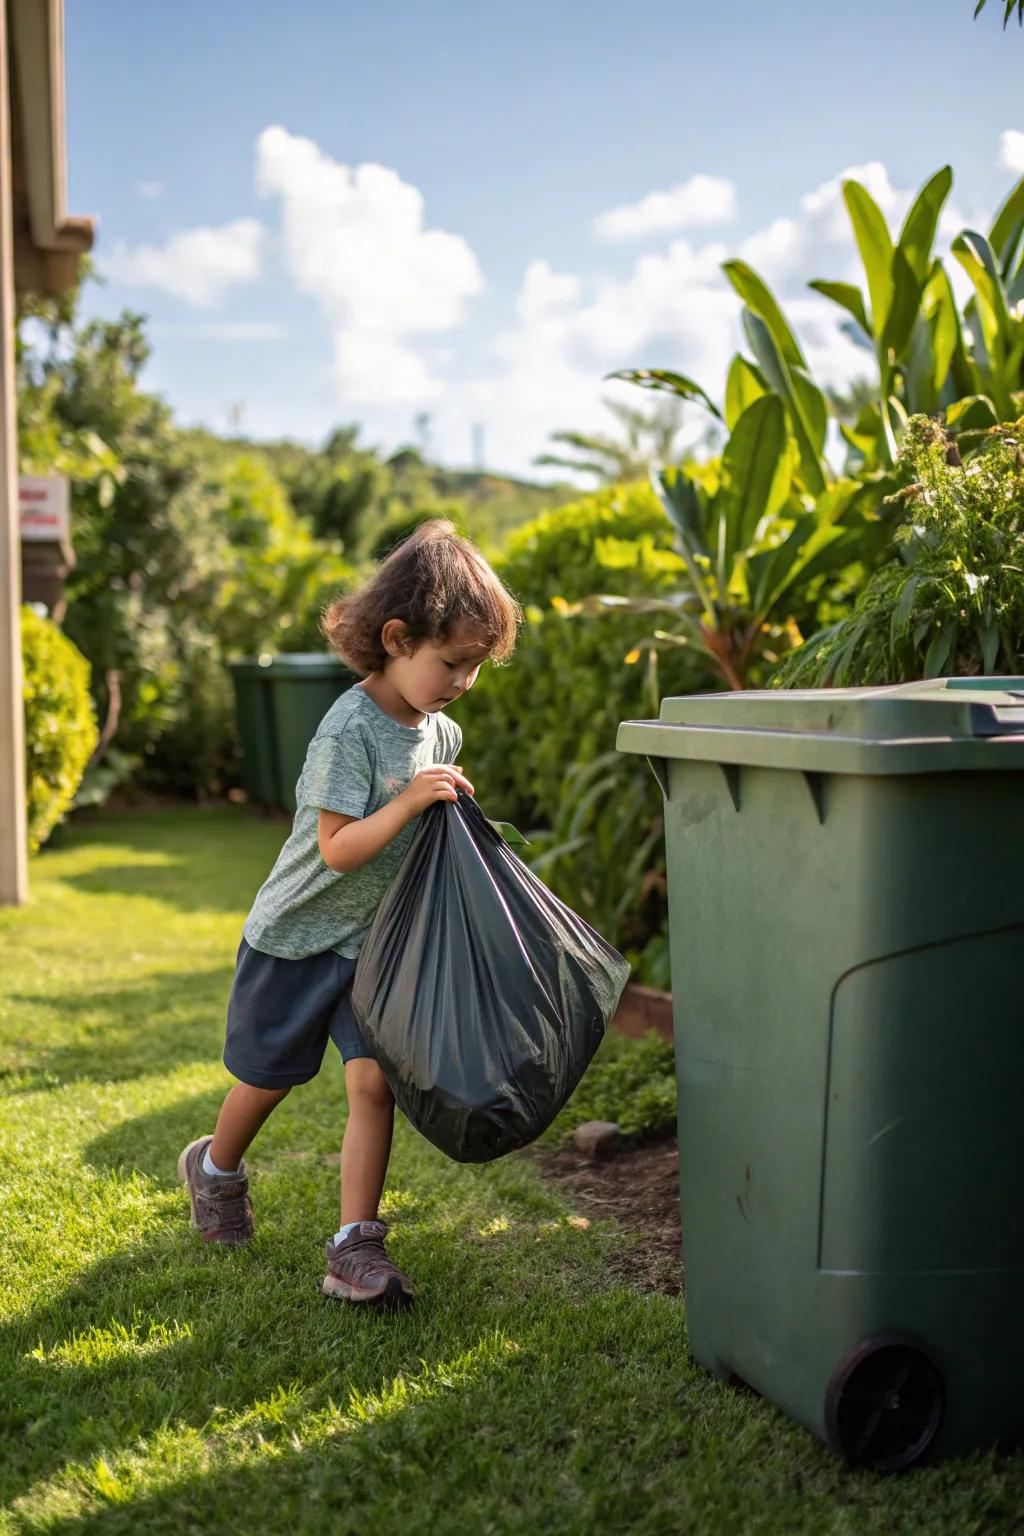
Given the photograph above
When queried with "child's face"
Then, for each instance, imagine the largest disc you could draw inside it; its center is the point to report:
(437, 672)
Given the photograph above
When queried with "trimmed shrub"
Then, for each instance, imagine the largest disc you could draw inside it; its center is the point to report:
(60, 726)
(559, 700)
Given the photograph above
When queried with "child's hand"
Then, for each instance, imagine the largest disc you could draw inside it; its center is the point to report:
(432, 784)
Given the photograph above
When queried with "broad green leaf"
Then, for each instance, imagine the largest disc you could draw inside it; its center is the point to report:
(1007, 228)
(875, 245)
(906, 299)
(507, 831)
(773, 366)
(938, 305)
(974, 413)
(977, 258)
(671, 383)
(918, 233)
(849, 296)
(813, 405)
(684, 502)
(989, 637)
(938, 651)
(757, 296)
(744, 385)
(758, 471)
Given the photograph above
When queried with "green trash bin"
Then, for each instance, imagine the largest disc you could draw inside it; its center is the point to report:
(260, 778)
(846, 924)
(302, 689)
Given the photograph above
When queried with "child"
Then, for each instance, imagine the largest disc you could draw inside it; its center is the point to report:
(418, 631)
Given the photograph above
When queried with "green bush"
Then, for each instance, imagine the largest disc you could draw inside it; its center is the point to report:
(951, 601)
(558, 702)
(60, 727)
(632, 1082)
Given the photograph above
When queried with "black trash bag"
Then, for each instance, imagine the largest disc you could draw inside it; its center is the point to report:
(482, 996)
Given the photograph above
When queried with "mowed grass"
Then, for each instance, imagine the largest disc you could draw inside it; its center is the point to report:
(151, 1384)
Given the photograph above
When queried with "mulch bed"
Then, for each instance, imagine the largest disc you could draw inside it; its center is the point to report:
(638, 1188)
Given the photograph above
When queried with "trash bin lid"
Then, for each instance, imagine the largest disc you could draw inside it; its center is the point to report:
(304, 664)
(927, 727)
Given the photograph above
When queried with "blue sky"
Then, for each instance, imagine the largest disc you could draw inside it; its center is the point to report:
(334, 212)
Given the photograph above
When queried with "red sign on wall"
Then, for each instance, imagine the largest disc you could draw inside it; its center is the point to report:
(45, 508)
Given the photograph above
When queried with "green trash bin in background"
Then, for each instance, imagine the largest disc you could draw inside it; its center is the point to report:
(846, 926)
(260, 778)
(302, 689)
(280, 701)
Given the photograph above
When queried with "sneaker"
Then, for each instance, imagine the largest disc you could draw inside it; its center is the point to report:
(221, 1208)
(358, 1268)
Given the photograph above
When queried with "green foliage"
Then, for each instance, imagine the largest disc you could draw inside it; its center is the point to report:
(952, 599)
(560, 699)
(631, 1082)
(188, 551)
(60, 727)
(605, 856)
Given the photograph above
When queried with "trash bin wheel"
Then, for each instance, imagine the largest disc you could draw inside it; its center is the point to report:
(883, 1405)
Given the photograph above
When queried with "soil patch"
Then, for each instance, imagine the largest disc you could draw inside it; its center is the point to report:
(638, 1188)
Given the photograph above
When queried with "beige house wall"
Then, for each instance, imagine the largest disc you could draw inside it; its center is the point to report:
(40, 247)
(13, 836)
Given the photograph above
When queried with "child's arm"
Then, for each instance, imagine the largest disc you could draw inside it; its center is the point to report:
(349, 842)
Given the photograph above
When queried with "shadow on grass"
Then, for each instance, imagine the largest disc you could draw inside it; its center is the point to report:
(175, 1332)
(191, 859)
(166, 1021)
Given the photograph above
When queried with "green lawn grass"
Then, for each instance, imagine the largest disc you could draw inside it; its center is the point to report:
(155, 1385)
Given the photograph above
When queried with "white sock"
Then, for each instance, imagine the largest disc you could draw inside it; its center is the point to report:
(343, 1232)
(210, 1167)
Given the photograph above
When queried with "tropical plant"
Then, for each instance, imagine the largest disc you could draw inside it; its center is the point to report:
(60, 727)
(951, 600)
(750, 547)
(927, 356)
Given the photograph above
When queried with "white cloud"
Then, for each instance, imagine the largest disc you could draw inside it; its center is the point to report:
(1011, 151)
(197, 265)
(355, 241)
(225, 330)
(151, 190)
(701, 201)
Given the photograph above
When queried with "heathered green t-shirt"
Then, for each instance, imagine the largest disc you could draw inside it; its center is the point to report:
(358, 760)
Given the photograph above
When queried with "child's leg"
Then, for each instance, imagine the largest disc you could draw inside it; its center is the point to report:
(366, 1145)
(242, 1113)
(358, 1268)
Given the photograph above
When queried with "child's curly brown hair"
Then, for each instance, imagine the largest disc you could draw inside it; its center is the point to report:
(433, 581)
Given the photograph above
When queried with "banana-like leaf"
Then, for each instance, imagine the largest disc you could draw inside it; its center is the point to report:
(773, 366)
(978, 260)
(814, 406)
(684, 502)
(757, 296)
(918, 233)
(939, 308)
(758, 474)
(875, 245)
(744, 385)
(671, 383)
(1007, 229)
(906, 299)
(849, 296)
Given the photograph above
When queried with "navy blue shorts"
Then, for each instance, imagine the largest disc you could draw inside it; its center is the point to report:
(281, 1013)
